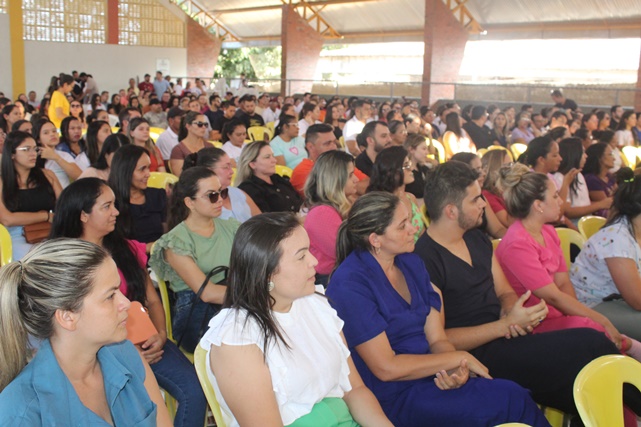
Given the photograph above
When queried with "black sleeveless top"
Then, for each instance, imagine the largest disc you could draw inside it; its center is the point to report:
(36, 199)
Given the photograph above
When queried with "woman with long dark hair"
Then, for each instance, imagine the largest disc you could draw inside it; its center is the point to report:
(625, 132)
(71, 140)
(102, 166)
(197, 242)
(600, 182)
(10, 114)
(289, 148)
(29, 193)
(61, 163)
(86, 210)
(143, 210)
(455, 139)
(59, 105)
(191, 137)
(97, 133)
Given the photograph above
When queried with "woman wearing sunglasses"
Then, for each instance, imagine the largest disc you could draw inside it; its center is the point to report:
(29, 193)
(193, 138)
(198, 241)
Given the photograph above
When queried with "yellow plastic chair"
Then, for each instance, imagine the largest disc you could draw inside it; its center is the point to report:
(257, 133)
(517, 149)
(271, 126)
(440, 149)
(154, 133)
(426, 218)
(284, 171)
(500, 147)
(598, 389)
(217, 144)
(341, 142)
(590, 224)
(6, 250)
(481, 152)
(495, 244)
(568, 238)
(630, 155)
(161, 180)
(200, 363)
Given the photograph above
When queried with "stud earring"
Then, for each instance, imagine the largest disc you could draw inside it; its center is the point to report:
(270, 286)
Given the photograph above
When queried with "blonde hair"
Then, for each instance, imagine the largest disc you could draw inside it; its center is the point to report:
(55, 275)
(492, 162)
(326, 182)
(248, 155)
(521, 187)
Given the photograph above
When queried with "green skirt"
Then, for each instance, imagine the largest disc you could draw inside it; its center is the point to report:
(329, 412)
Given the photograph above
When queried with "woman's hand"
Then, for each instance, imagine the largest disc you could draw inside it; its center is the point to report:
(476, 368)
(454, 378)
(49, 153)
(614, 334)
(152, 349)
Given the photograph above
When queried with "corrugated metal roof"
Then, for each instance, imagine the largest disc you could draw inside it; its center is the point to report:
(402, 20)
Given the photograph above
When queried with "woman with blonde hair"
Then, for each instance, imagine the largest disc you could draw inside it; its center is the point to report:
(65, 292)
(329, 191)
(256, 176)
(491, 163)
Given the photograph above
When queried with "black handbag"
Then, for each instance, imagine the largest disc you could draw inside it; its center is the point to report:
(215, 307)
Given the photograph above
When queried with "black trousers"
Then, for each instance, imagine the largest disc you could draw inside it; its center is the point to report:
(548, 363)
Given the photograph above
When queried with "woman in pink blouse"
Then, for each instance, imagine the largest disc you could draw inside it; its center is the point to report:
(532, 260)
(329, 191)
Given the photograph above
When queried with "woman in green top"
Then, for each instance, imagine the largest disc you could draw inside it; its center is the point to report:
(198, 241)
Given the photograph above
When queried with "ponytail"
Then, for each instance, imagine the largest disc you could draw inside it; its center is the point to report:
(13, 334)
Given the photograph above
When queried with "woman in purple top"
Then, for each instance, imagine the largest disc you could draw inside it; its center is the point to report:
(601, 183)
(394, 329)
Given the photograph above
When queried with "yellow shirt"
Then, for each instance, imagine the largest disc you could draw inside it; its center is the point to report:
(58, 100)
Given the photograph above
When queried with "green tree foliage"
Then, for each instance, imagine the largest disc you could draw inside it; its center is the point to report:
(254, 62)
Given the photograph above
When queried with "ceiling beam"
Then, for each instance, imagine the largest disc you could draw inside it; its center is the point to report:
(278, 6)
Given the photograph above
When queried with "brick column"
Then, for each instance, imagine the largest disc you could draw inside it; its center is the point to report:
(445, 40)
(203, 49)
(112, 22)
(301, 46)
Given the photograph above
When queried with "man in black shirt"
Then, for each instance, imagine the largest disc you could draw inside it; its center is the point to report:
(562, 102)
(247, 112)
(376, 137)
(480, 134)
(229, 110)
(483, 314)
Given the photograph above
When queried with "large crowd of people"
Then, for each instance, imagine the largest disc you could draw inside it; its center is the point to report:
(387, 207)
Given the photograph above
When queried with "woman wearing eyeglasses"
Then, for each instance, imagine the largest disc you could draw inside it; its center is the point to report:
(29, 193)
(198, 241)
(392, 171)
(238, 204)
(192, 136)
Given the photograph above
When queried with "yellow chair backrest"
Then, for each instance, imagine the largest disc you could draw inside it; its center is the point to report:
(598, 389)
(495, 243)
(257, 133)
(200, 363)
(568, 238)
(517, 148)
(161, 179)
(440, 149)
(271, 126)
(284, 171)
(217, 144)
(590, 224)
(154, 133)
(115, 129)
(426, 219)
(6, 250)
(481, 152)
(499, 147)
(341, 142)
(630, 155)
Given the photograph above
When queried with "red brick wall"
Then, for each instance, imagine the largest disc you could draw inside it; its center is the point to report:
(203, 49)
(445, 40)
(301, 49)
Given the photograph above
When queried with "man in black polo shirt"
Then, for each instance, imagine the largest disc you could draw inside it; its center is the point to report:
(247, 112)
(480, 134)
(376, 136)
(483, 314)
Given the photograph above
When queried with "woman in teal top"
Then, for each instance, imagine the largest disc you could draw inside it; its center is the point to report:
(289, 148)
(65, 292)
(198, 241)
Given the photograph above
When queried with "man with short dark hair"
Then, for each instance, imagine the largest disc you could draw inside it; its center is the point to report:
(228, 112)
(562, 102)
(355, 125)
(169, 138)
(214, 111)
(615, 115)
(247, 112)
(156, 116)
(272, 112)
(146, 84)
(483, 314)
(125, 116)
(160, 85)
(480, 134)
(376, 137)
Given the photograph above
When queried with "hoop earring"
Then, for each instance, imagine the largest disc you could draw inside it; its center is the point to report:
(270, 286)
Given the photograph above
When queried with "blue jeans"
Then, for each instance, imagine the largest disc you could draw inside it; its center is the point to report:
(189, 330)
(175, 373)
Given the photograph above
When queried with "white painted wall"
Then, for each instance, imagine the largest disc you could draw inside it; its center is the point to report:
(111, 65)
(5, 53)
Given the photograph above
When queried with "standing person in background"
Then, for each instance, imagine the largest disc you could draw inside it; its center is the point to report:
(160, 85)
(561, 101)
(59, 105)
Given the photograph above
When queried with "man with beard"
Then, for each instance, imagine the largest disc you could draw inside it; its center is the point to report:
(247, 112)
(483, 314)
(375, 137)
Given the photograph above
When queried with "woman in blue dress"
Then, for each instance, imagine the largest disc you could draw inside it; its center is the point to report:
(394, 329)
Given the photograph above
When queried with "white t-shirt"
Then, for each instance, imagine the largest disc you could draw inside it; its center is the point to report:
(624, 138)
(589, 273)
(352, 128)
(582, 196)
(303, 126)
(59, 171)
(82, 161)
(270, 116)
(315, 367)
(166, 142)
(232, 151)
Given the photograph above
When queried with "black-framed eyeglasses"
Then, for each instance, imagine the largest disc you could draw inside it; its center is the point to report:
(213, 196)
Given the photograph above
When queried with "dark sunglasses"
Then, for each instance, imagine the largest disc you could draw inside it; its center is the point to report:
(214, 195)
(199, 124)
